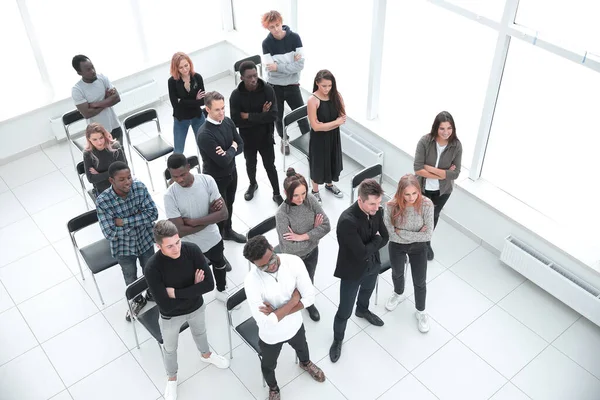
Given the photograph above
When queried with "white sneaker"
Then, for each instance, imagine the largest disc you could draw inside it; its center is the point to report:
(217, 360)
(394, 300)
(422, 321)
(171, 390)
(223, 296)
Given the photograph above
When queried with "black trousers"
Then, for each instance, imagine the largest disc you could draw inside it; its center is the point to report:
(267, 154)
(310, 262)
(227, 186)
(117, 134)
(439, 200)
(417, 255)
(270, 354)
(217, 259)
(348, 290)
(290, 94)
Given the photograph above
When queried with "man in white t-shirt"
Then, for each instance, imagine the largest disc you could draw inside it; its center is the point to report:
(193, 203)
(277, 288)
(94, 96)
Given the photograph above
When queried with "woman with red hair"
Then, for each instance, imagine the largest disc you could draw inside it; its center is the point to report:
(409, 222)
(186, 93)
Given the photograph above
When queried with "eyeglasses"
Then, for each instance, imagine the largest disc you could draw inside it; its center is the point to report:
(272, 261)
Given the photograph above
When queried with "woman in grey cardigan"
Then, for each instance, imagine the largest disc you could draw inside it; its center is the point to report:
(301, 223)
(437, 164)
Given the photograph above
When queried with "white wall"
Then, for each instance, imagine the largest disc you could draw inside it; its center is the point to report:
(29, 131)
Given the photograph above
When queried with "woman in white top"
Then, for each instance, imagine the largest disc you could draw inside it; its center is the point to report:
(408, 218)
(437, 164)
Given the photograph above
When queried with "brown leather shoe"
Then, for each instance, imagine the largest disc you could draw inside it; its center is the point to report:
(314, 371)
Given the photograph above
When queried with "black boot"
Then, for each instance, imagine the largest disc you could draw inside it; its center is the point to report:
(230, 234)
(249, 195)
(335, 351)
(313, 313)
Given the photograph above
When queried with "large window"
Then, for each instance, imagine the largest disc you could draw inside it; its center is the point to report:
(488, 8)
(336, 36)
(573, 23)
(543, 147)
(433, 60)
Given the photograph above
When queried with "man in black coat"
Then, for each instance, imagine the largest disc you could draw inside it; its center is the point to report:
(254, 111)
(361, 233)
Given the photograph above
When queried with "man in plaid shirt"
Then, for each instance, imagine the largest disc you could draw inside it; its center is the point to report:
(126, 213)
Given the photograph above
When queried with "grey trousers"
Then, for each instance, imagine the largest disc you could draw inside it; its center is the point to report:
(169, 328)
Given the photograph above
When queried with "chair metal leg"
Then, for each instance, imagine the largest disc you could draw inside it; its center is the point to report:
(137, 343)
(98, 289)
(77, 258)
(150, 175)
(377, 290)
(162, 352)
(229, 326)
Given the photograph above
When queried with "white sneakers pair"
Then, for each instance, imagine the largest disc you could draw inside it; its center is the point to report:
(422, 317)
(215, 359)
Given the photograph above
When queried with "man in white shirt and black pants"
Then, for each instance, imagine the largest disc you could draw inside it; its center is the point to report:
(276, 290)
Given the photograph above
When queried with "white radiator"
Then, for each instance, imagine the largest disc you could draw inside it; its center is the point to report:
(360, 150)
(562, 284)
(131, 100)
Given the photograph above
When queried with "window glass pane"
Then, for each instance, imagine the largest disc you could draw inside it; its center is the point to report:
(434, 60)
(573, 23)
(341, 47)
(19, 74)
(488, 8)
(65, 28)
(179, 25)
(247, 18)
(544, 142)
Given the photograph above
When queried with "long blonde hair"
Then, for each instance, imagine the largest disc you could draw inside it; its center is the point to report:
(398, 202)
(95, 127)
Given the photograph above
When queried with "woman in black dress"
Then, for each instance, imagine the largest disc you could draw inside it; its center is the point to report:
(326, 114)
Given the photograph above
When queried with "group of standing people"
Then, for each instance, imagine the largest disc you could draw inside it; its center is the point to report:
(199, 207)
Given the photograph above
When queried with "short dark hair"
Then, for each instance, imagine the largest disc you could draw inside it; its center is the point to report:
(369, 187)
(212, 96)
(176, 161)
(116, 167)
(164, 229)
(77, 60)
(256, 248)
(245, 66)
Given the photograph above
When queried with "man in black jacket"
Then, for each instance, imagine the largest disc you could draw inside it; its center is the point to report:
(219, 142)
(254, 111)
(361, 233)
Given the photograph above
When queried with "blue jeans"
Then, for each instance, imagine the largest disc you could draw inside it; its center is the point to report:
(180, 131)
(129, 267)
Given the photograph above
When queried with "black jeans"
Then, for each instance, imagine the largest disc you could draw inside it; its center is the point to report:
(217, 259)
(439, 200)
(270, 353)
(117, 134)
(290, 94)
(417, 255)
(348, 290)
(310, 262)
(268, 159)
(227, 186)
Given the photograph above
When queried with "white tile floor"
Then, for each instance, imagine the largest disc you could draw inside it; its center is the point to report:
(493, 335)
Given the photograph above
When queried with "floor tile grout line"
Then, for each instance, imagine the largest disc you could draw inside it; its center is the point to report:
(46, 173)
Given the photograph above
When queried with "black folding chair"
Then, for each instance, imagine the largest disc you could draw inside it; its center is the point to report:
(260, 229)
(301, 143)
(192, 161)
(149, 318)
(97, 256)
(367, 173)
(151, 149)
(69, 119)
(236, 67)
(85, 191)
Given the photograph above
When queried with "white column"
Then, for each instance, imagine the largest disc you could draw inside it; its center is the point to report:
(227, 15)
(139, 29)
(376, 58)
(293, 17)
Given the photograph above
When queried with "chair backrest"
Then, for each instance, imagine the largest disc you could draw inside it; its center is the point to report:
(192, 161)
(262, 228)
(295, 115)
(80, 168)
(236, 299)
(255, 59)
(81, 221)
(140, 118)
(71, 117)
(369, 172)
(137, 287)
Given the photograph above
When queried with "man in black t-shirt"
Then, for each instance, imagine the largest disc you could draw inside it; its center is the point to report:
(177, 277)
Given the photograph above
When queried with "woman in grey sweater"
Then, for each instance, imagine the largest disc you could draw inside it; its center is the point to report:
(408, 218)
(301, 223)
(437, 164)
(100, 151)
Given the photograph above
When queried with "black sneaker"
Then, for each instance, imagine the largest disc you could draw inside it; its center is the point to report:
(249, 195)
(317, 196)
(278, 199)
(334, 190)
(230, 234)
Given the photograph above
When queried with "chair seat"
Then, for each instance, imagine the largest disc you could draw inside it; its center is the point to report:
(384, 256)
(97, 256)
(154, 148)
(80, 143)
(301, 143)
(248, 330)
(149, 320)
